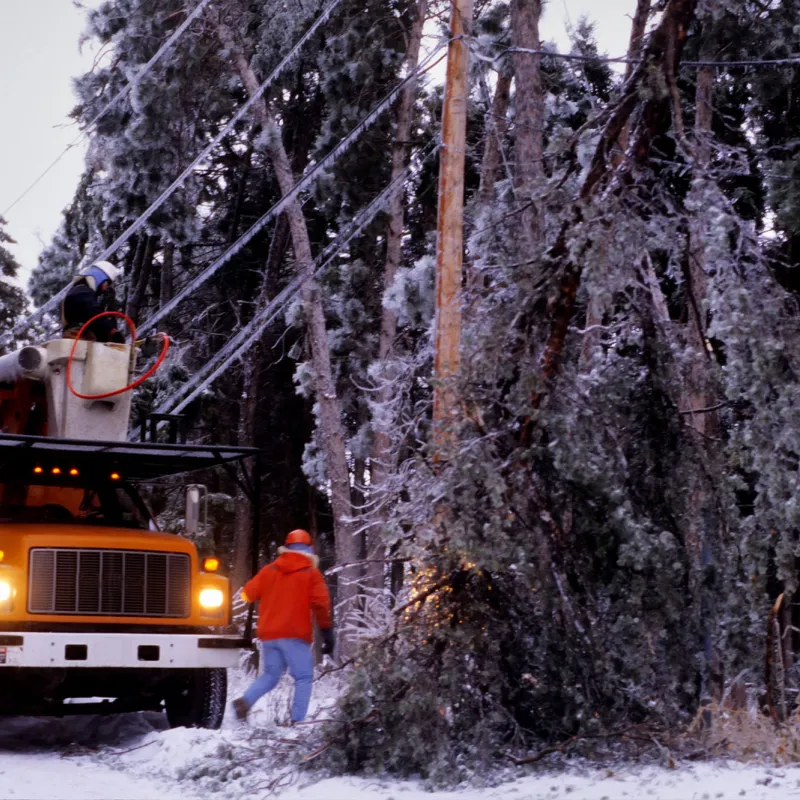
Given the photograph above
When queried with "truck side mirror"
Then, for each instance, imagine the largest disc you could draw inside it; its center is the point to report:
(196, 508)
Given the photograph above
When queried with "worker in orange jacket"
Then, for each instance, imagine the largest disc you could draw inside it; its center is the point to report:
(288, 591)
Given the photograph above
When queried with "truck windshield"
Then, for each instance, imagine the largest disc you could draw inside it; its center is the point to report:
(118, 505)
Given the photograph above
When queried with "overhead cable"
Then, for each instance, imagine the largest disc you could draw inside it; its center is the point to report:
(167, 193)
(308, 179)
(114, 102)
(251, 333)
(776, 62)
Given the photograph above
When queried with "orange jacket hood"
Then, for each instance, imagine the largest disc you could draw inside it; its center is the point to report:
(294, 560)
(290, 591)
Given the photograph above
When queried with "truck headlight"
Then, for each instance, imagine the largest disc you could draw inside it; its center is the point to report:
(6, 597)
(209, 598)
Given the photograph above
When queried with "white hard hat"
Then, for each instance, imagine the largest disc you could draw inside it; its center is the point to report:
(111, 271)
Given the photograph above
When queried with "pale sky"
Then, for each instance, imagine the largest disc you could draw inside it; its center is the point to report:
(39, 54)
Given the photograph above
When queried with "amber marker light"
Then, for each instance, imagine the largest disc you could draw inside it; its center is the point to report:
(2, 555)
(74, 472)
(211, 564)
(56, 470)
(115, 476)
(37, 470)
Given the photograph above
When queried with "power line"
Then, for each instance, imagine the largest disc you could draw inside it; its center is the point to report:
(121, 95)
(248, 335)
(305, 182)
(251, 332)
(776, 62)
(167, 193)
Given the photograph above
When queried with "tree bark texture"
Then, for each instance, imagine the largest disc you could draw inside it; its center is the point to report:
(248, 415)
(529, 103)
(496, 126)
(330, 417)
(700, 394)
(135, 260)
(136, 297)
(450, 233)
(248, 409)
(635, 47)
(167, 274)
(381, 457)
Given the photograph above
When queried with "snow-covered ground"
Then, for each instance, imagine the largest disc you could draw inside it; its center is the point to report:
(695, 783)
(55, 759)
(136, 757)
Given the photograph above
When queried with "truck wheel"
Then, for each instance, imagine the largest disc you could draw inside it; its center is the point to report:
(197, 699)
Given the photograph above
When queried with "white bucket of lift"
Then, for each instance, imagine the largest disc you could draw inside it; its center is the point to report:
(97, 369)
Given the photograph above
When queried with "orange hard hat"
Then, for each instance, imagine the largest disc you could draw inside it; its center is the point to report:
(299, 536)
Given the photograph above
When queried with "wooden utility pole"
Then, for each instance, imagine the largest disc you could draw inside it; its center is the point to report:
(450, 242)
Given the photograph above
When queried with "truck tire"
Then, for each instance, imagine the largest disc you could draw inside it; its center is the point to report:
(197, 699)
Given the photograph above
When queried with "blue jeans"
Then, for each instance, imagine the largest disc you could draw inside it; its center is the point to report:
(278, 655)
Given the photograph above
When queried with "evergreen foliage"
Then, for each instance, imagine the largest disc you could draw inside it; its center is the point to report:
(621, 512)
(600, 558)
(12, 298)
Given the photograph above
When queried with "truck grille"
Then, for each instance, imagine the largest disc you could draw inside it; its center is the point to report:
(124, 583)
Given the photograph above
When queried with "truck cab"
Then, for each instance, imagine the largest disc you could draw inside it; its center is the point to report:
(95, 600)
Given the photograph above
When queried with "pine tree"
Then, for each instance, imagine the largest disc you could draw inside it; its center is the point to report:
(620, 515)
(12, 298)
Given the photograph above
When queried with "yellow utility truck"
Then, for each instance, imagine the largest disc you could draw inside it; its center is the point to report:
(100, 611)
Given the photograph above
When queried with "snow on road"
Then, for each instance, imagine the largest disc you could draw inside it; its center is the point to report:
(60, 759)
(47, 776)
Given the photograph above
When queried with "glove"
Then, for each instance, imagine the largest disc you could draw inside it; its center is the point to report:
(327, 641)
(108, 299)
(149, 347)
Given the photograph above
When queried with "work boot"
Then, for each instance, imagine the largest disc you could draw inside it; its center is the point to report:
(241, 708)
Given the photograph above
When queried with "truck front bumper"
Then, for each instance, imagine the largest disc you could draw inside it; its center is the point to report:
(142, 650)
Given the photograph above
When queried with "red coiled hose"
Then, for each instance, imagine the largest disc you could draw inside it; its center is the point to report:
(129, 387)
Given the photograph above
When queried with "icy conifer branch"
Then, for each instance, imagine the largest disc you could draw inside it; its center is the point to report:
(308, 180)
(251, 333)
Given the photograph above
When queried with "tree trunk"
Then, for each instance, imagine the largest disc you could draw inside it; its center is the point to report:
(241, 193)
(496, 125)
(663, 51)
(136, 298)
(596, 309)
(330, 416)
(635, 47)
(167, 274)
(248, 414)
(699, 394)
(134, 267)
(248, 408)
(381, 458)
(528, 119)
(701, 509)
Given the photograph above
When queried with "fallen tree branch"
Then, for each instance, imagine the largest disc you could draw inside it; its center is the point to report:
(559, 748)
(318, 752)
(547, 751)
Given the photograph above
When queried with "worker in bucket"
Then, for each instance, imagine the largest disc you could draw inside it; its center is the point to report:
(289, 591)
(90, 294)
